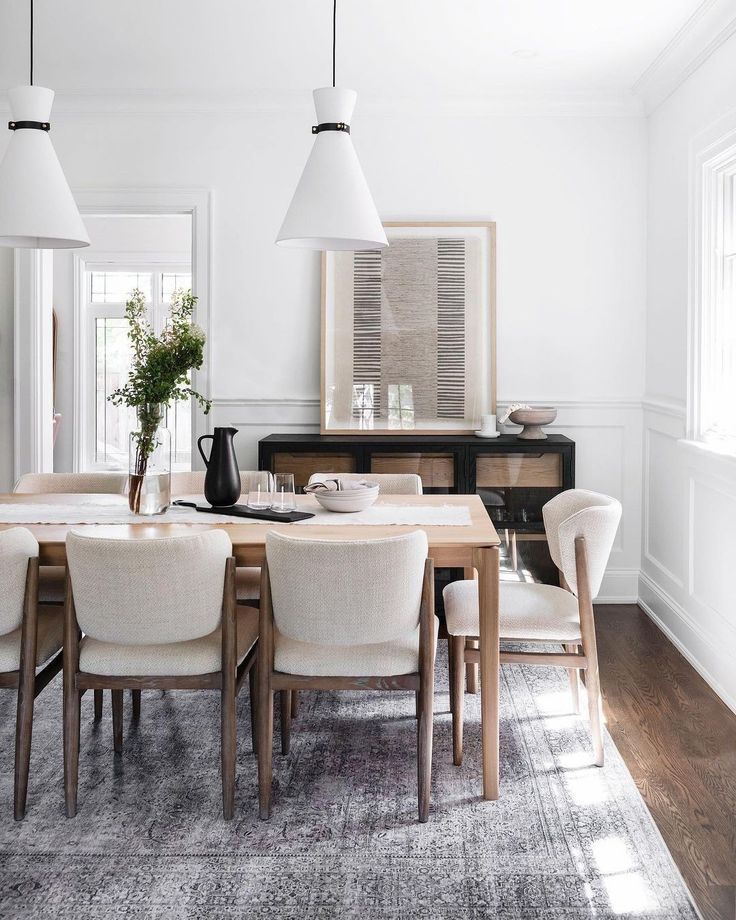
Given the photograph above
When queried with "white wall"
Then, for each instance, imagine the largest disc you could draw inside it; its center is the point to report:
(567, 192)
(689, 539)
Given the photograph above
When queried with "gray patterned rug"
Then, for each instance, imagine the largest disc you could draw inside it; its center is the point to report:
(566, 840)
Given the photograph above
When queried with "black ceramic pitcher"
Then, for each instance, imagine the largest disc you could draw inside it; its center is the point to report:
(222, 480)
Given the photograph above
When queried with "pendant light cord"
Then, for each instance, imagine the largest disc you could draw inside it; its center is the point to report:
(31, 43)
(334, 37)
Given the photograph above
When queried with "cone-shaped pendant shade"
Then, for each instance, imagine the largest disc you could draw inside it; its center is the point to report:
(332, 207)
(37, 210)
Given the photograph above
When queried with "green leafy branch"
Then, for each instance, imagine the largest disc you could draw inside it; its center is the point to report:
(161, 367)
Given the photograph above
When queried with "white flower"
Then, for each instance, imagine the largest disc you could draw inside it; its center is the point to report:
(512, 408)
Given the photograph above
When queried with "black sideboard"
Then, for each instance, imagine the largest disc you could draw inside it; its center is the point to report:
(513, 477)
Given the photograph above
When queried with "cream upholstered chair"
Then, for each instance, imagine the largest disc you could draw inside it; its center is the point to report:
(52, 578)
(346, 615)
(390, 483)
(30, 644)
(51, 584)
(580, 527)
(157, 614)
(247, 578)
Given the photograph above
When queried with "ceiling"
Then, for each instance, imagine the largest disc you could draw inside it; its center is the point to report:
(412, 48)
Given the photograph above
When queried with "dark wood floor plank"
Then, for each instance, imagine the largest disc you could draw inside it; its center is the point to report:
(678, 740)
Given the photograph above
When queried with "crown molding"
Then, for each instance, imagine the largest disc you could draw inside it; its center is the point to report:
(709, 27)
(244, 104)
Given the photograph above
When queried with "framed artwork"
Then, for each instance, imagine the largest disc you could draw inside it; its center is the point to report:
(408, 332)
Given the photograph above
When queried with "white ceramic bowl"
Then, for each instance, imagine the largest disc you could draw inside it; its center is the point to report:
(349, 501)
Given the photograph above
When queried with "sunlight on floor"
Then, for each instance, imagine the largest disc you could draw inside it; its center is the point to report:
(627, 891)
(629, 894)
(558, 703)
(612, 855)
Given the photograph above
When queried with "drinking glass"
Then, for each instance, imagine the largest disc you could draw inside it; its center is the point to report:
(283, 498)
(259, 491)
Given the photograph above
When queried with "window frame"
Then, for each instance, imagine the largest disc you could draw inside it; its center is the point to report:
(87, 313)
(713, 182)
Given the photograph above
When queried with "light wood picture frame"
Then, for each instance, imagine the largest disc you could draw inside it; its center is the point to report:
(408, 343)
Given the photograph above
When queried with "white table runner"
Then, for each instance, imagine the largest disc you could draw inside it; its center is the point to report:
(88, 512)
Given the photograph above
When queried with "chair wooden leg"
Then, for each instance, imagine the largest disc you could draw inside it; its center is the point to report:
(450, 671)
(117, 720)
(593, 689)
(23, 733)
(72, 715)
(229, 730)
(424, 745)
(590, 649)
(471, 670)
(294, 704)
(285, 699)
(136, 698)
(573, 676)
(457, 696)
(98, 705)
(265, 748)
(253, 709)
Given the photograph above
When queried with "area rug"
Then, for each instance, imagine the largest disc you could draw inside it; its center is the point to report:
(565, 840)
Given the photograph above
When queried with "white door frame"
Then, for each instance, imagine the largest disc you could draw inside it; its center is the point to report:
(33, 387)
(33, 397)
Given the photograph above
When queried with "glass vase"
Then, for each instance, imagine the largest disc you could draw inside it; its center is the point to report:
(149, 470)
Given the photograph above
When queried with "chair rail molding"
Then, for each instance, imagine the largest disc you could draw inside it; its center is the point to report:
(33, 399)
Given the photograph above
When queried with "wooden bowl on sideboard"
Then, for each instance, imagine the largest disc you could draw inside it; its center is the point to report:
(532, 420)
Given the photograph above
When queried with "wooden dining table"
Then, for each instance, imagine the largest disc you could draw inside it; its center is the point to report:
(474, 547)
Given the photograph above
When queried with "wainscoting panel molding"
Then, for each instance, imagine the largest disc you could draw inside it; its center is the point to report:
(689, 542)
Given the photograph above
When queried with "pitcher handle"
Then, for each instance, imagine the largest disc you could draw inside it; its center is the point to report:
(199, 447)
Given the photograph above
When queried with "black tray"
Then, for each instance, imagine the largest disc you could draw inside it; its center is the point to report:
(288, 517)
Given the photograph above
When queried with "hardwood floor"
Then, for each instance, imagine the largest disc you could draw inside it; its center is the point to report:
(679, 742)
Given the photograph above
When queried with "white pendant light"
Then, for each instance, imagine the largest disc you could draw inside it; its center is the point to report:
(332, 207)
(37, 209)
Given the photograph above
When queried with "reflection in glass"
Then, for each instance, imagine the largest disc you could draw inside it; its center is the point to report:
(363, 403)
(400, 405)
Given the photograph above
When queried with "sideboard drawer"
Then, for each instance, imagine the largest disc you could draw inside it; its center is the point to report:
(437, 471)
(519, 470)
(304, 464)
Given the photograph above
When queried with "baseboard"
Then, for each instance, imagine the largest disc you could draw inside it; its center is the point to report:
(652, 596)
(619, 586)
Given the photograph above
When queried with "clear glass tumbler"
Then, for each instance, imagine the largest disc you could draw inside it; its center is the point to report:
(259, 491)
(283, 498)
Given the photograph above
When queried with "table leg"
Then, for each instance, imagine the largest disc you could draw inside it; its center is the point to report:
(471, 669)
(487, 561)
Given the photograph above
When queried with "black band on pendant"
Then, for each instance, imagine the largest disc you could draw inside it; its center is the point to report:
(38, 125)
(331, 126)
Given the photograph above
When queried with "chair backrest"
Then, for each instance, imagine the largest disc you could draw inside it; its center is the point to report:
(17, 546)
(390, 483)
(146, 592)
(579, 513)
(334, 592)
(113, 483)
(192, 483)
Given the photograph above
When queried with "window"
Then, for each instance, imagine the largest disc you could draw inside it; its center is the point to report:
(717, 333)
(107, 427)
